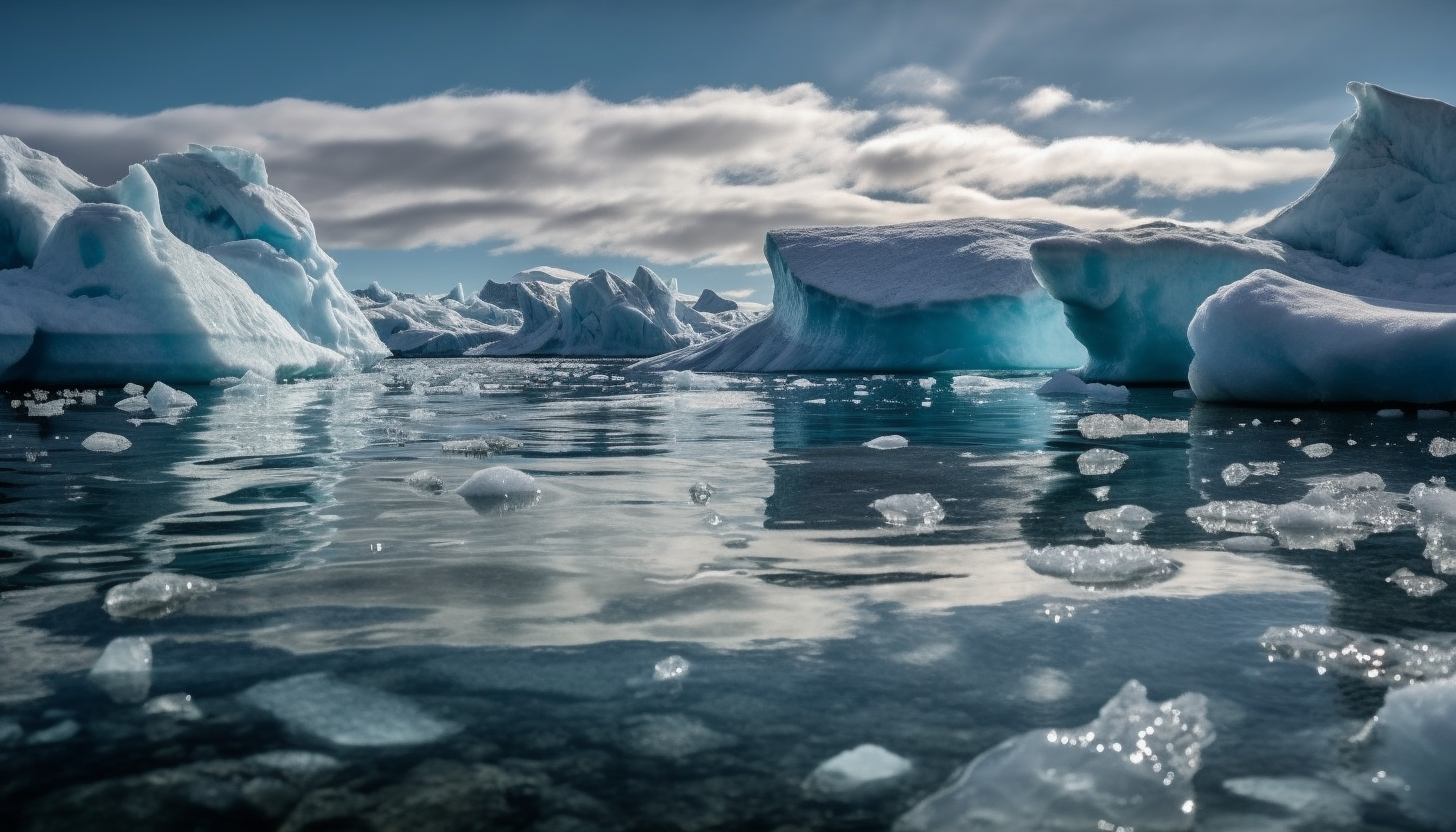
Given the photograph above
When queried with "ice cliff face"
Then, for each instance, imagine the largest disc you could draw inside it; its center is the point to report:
(1379, 230)
(189, 268)
(919, 296)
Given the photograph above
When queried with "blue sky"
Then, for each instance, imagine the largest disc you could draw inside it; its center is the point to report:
(437, 142)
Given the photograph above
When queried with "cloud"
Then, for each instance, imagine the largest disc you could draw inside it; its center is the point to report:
(915, 81)
(736, 294)
(693, 179)
(1043, 101)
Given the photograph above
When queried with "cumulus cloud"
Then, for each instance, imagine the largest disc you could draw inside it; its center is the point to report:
(1044, 101)
(693, 179)
(915, 81)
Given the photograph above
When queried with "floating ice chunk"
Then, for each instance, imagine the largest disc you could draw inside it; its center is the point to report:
(425, 482)
(887, 443)
(1316, 803)
(1247, 543)
(910, 509)
(164, 399)
(498, 482)
(816, 401)
(1100, 426)
(344, 714)
(1264, 469)
(1350, 484)
(1415, 731)
(134, 404)
(689, 380)
(1109, 563)
(798, 382)
(927, 383)
(1416, 586)
(155, 595)
(106, 443)
(54, 407)
(1064, 383)
(1295, 442)
(480, 446)
(1235, 474)
(1433, 414)
(124, 670)
(1184, 394)
(702, 492)
(1377, 659)
(671, 669)
(673, 736)
(857, 769)
(133, 389)
(175, 705)
(1318, 450)
(1390, 413)
(1240, 516)
(1442, 447)
(1132, 767)
(1098, 461)
(1435, 507)
(250, 385)
(969, 384)
(1123, 524)
(1101, 492)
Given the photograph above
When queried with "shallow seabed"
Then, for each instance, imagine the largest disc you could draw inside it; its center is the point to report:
(502, 666)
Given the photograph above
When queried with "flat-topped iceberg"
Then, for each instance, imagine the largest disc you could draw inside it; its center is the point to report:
(919, 296)
(190, 268)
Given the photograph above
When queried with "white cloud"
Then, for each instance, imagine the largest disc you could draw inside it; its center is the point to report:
(694, 179)
(1043, 101)
(736, 294)
(915, 81)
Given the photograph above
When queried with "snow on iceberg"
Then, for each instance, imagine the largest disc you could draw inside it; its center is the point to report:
(422, 325)
(1131, 767)
(102, 283)
(919, 296)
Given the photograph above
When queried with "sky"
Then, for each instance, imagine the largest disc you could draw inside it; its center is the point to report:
(437, 142)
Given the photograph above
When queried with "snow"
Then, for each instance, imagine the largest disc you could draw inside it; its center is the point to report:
(106, 443)
(910, 509)
(498, 482)
(343, 714)
(922, 296)
(124, 670)
(1415, 732)
(155, 595)
(887, 443)
(1123, 524)
(1109, 563)
(1132, 767)
(1099, 461)
(1064, 383)
(102, 283)
(856, 769)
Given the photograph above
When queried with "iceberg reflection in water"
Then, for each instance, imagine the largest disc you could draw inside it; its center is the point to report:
(614, 652)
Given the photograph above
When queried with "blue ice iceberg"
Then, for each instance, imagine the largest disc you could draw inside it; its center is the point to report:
(921, 296)
(190, 268)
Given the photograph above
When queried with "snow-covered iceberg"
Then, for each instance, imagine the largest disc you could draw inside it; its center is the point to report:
(919, 296)
(190, 268)
(423, 325)
(1378, 225)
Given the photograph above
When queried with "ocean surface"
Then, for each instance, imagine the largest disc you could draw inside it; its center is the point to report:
(698, 608)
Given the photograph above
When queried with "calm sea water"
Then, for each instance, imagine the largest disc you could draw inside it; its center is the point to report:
(506, 653)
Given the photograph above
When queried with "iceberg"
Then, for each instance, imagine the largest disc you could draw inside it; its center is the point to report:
(915, 297)
(99, 284)
(417, 326)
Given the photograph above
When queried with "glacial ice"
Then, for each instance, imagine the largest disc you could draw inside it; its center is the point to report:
(920, 510)
(100, 283)
(856, 770)
(1131, 768)
(124, 670)
(424, 325)
(498, 482)
(155, 595)
(1099, 461)
(344, 714)
(1415, 731)
(921, 296)
(106, 443)
(1107, 564)
(1123, 524)
(887, 443)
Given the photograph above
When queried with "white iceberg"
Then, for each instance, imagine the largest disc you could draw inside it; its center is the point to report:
(946, 294)
(424, 325)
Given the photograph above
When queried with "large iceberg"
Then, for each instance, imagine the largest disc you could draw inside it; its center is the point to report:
(424, 325)
(920, 296)
(1378, 226)
(191, 267)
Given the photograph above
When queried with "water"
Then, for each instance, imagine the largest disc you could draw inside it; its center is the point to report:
(381, 654)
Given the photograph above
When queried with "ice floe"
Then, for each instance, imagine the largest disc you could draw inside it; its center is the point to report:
(920, 510)
(1106, 564)
(155, 595)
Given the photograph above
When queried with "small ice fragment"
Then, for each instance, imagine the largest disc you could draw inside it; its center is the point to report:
(1098, 461)
(1264, 469)
(498, 482)
(1109, 563)
(1318, 450)
(124, 670)
(816, 401)
(907, 509)
(1101, 492)
(887, 443)
(425, 482)
(689, 380)
(671, 669)
(1100, 426)
(1123, 524)
(1247, 543)
(1410, 437)
(344, 714)
(860, 767)
(163, 399)
(802, 382)
(481, 446)
(55, 407)
(1184, 394)
(1433, 414)
(1442, 447)
(1295, 442)
(1416, 586)
(155, 595)
(175, 705)
(927, 383)
(134, 404)
(1256, 423)
(977, 384)
(701, 492)
(1296, 420)
(1351, 442)
(133, 389)
(1235, 474)
(1064, 383)
(251, 385)
(106, 443)
(1390, 413)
